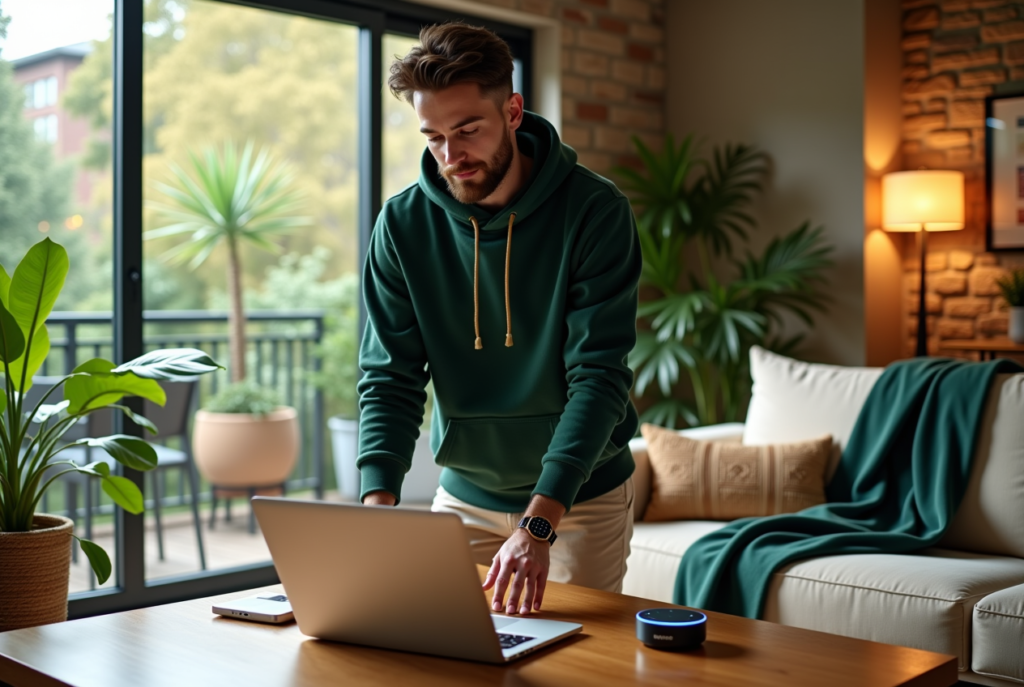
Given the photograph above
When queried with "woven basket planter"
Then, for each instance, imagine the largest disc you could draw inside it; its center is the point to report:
(35, 569)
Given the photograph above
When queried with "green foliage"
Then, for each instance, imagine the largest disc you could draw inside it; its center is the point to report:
(1012, 288)
(244, 398)
(301, 279)
(31, 437)
(227, 199)
(33, 187)
(231, 200)
(703, 323)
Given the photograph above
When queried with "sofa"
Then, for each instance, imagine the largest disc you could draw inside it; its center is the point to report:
(964, 597)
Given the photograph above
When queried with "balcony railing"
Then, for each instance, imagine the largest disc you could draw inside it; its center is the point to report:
(280, 354)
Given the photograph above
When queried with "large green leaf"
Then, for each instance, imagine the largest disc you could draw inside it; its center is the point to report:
(172, 364)
(124, 493)
(98, 559)
(47, 411)
(36, 283)
(131, 452)
(5, 285)
(653, 359)
(97, 386)
(137, 419)
(39, 349)
(12, 340)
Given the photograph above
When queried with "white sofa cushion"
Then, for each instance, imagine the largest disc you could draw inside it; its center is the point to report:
(655, 551)
(922, 601)
(795, 401)
(999, 635)
(991, 516)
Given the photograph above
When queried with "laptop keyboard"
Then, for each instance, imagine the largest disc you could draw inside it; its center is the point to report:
(508, 641)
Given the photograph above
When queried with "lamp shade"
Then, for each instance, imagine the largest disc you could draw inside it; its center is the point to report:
(932, 200)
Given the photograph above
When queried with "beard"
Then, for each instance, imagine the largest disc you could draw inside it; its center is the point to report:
(468, 192)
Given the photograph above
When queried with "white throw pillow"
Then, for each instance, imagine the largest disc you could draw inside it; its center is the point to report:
(795, 401)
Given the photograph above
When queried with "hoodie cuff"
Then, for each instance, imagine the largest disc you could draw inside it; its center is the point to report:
(381, 474)
(560, 481)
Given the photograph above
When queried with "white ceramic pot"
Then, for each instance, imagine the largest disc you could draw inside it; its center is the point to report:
(420, 483)
(1017, 324)
(345, 445)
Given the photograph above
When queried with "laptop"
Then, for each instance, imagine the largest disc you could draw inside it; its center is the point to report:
(392, 578)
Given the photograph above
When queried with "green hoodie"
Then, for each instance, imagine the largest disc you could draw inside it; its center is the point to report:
(549, 415)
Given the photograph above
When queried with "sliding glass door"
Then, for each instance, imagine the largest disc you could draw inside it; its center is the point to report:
(145, 126)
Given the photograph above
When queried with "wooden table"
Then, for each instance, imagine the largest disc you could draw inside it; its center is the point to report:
(184, 645)
(984, 347)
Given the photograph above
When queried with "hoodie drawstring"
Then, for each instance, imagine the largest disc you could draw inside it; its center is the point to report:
(478, 344)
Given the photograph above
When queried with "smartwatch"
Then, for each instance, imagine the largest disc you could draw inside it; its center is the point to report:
(539, 528)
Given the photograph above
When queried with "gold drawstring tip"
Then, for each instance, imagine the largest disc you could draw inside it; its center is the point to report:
(508, 341)
(479, 344)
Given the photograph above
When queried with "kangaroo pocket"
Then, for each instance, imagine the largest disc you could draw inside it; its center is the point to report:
(497, 454)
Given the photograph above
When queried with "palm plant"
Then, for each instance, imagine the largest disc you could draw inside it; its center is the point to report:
(228, 199)
(30, 437)
(701, 322)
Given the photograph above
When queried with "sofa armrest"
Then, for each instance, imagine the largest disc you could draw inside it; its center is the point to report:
(729, 431)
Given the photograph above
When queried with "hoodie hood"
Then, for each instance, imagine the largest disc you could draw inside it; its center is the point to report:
(553, 161)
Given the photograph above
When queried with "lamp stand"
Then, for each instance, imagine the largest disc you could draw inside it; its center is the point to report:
(922, 315)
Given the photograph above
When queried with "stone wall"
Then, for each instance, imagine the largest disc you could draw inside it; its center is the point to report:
(955, 52)
(613, 74)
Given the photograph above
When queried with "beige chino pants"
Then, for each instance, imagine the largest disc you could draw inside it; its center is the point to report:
(592, 544)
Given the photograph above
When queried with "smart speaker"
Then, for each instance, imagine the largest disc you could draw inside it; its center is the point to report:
(671, 629)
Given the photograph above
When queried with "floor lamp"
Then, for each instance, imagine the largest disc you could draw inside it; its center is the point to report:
(923, 201)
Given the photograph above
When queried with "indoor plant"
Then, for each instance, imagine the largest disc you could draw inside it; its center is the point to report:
(697, 318)
(231, 199)
(35, 548)
(1012, 288)
(244, 438)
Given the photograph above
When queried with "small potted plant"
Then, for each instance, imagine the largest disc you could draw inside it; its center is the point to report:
(1012, 286)
(244, 439)
(35, 548)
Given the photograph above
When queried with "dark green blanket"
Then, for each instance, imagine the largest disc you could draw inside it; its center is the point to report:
(900, 480)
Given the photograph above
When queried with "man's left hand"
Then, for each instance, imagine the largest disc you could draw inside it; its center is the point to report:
(524, 561)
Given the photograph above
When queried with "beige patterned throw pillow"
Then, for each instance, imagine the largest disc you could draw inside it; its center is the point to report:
(708, 480)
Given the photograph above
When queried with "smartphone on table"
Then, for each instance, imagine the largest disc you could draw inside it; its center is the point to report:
(264, 608)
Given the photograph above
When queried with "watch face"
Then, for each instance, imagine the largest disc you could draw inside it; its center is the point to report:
(539, 528)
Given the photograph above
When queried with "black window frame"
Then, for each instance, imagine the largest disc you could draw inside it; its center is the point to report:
(373, 18)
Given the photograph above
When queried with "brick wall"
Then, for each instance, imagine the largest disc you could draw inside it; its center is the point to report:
(954, 53)
(613, 74)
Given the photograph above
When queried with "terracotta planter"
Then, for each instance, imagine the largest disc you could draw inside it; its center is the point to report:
(238, 450)
(35, 569)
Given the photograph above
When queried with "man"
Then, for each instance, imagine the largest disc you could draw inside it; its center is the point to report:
(504, 232)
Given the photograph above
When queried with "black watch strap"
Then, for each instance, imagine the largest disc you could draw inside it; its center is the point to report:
(539, 528)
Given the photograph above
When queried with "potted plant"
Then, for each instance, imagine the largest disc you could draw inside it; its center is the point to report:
(697, 318)
(35, 548)
(1012, 287)
(232, 200)
(245, 439)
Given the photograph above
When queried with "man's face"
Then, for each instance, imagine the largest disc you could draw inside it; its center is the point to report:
(469, 136)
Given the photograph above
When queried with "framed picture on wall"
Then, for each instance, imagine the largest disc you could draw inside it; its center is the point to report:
(1004, 166)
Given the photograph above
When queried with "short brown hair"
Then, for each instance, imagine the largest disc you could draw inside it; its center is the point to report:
(450, 54)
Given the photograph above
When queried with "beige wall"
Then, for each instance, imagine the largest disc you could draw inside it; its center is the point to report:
(787, 76)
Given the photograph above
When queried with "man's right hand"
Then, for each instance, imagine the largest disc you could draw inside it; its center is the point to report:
(379, 498)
